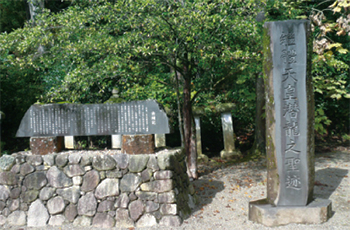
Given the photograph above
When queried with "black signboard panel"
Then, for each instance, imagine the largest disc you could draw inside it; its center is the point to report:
(137, 117)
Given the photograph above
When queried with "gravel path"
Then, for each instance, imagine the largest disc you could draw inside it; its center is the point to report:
(225, 192)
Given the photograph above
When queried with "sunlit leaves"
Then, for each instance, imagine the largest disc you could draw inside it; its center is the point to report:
(321, 121)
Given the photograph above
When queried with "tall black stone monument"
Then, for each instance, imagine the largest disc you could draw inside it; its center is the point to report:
(289, 128)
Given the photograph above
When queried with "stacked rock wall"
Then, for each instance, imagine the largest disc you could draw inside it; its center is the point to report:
(95, 188)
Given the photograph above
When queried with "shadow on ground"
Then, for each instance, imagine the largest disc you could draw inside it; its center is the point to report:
(237, 175)
(327, 181)
(333, 157)
(206, 189)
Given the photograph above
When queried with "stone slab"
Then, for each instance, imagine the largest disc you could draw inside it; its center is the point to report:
(46, 145)
(116, 141)
(230, 150)
(160, 140)
(136, 117)
(227, 129)
(138, 144)
(69, 142)
(197, 122)
(317, 212)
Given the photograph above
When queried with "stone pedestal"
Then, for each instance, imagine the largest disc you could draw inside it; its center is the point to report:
(46, 145)
(289, 128)
(317, 212)
(160, 140)
(116, 141)
(229, 142)
(69, 142)
(138, 144)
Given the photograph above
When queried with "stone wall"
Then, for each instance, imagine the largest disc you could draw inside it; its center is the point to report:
(95, 188)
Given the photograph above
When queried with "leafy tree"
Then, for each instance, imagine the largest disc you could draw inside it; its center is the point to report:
(331, 71)
(196, 47)
(179, 53)
(21, 84)
(13, 15)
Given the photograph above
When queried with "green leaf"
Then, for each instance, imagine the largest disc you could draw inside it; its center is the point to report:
(320, 111)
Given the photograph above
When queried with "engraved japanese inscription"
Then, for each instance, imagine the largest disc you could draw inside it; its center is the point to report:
(291, 112)
(138, 117)
(289, 47)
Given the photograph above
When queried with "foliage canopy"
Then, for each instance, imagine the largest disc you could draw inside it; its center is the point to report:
(193, 52)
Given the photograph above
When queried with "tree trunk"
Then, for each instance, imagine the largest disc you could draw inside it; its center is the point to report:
(35, 7)
(260, 121)
(187, 108)
(179, 106)
(260, 126)
(180, 117)
(193, 154)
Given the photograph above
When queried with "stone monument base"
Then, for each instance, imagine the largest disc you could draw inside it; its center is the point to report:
(230, 154)
(138, 144)
(46, 145)
(318, 211)
(159, 140)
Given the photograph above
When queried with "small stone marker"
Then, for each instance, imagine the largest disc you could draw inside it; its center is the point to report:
(159, 140)
(290, 132)
(197, 122)
(227, 129)
(116, 141)
(230, 150)
(69, 142)
(197, 113)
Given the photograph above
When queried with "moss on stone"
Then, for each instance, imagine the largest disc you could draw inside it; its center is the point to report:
(198, 111)
(224, 107)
